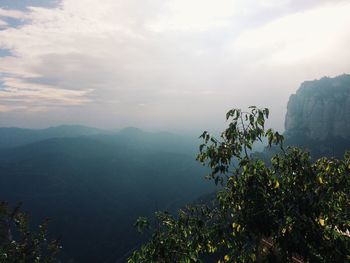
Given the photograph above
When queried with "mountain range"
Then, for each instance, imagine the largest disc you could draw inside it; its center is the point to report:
(94, 183)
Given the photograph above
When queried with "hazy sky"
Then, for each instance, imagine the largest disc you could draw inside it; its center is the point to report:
(162, 64)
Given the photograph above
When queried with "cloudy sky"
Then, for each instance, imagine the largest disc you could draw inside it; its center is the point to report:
(162, 64)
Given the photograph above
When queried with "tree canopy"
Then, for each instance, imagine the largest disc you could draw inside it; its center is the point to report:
(290, 209)
(18, 244)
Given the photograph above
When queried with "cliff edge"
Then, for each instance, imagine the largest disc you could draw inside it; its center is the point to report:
(320, 109)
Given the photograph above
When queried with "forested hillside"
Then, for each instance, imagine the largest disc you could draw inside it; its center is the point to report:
(94, 187)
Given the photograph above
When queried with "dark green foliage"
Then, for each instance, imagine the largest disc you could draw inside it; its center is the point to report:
(292, 210)
(18, 244)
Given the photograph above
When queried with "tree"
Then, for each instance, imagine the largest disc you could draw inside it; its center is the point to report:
(291, 209)
(18, 244)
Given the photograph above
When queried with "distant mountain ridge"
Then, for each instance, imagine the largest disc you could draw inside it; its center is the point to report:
(12, 136)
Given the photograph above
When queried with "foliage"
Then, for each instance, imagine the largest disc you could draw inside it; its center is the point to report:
(291, 210)
(18, 244)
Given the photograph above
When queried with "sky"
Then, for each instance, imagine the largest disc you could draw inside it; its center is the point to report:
(174, 65)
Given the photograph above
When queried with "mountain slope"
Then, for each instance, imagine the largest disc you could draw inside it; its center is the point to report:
(94, 187)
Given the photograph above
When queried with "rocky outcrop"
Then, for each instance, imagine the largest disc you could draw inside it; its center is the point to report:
(320, 109)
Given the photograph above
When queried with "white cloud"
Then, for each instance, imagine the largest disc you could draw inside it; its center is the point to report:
(34, 96)
(9, 108)
(314, 34)
(165, 62)
(8, 13)
(3, 24)
(12, 13)
(204, 15)
(273, 3)
(195, 15)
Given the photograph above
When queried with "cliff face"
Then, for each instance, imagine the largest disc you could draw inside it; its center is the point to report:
(320, 109)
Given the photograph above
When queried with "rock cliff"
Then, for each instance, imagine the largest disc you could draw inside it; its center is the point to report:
(320, 109)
